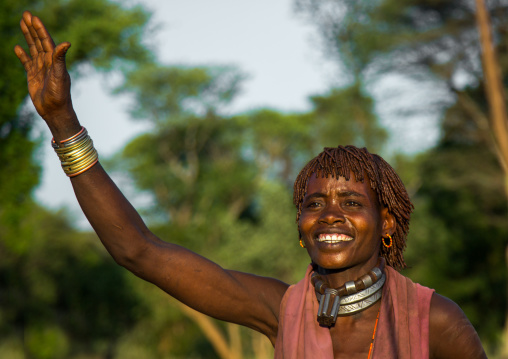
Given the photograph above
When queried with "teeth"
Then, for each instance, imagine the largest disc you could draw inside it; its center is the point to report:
(334, 238)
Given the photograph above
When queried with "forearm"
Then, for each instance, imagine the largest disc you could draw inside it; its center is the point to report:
(113, 218)
(116, 222)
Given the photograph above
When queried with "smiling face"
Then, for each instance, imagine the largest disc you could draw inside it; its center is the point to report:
(342, 223)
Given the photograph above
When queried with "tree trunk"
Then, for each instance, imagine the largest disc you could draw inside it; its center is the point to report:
(212, 333)
(261, 346)
(497, 107)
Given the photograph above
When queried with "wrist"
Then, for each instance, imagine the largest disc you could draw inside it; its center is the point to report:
(63, 124)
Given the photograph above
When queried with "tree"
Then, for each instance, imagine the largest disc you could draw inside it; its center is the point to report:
(221, 185)
(115, 43)
(458, 220)
(48, 270)
(437, 42)
(432, 42)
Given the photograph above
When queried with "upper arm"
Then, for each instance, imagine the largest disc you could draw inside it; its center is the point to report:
(232, 296)
(190, 278)
(451, 335)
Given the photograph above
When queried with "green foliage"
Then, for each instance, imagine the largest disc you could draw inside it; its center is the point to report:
(97, 41)
(460, 200)
(46, 342)
(221, 186)
(269, 246)
(196, 159)
(192, 168)
(224, 184)
(346, 116)
(61, 296)
(61, 292)
(162, 331)
(460, 223)
(401, 36)
(113, 43)
(164, 94)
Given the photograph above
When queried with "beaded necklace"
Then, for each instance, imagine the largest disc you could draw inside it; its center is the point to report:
(373, 335)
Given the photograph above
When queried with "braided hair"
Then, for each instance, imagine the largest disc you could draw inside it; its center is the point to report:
(390, 191)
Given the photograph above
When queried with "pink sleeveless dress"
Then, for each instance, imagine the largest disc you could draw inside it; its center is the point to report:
(402, 332)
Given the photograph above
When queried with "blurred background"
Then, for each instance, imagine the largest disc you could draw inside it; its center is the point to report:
(204, 112)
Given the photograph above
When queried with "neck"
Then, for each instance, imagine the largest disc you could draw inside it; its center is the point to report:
(352, 297)
(336, 277)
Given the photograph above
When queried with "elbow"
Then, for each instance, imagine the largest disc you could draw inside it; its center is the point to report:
(131, 258)
(132, 252)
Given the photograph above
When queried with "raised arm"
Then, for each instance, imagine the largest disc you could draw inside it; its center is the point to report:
(228, 295)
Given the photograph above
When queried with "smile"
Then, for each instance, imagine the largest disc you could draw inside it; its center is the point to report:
(333, 238)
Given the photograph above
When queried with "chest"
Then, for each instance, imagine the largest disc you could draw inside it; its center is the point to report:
(352, 336)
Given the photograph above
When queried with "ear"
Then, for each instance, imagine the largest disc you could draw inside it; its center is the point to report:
(388, 222)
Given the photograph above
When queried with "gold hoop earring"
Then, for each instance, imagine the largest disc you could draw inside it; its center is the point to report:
(383, 240)
(301, 243)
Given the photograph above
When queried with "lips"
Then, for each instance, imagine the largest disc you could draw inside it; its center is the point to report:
(333, 238)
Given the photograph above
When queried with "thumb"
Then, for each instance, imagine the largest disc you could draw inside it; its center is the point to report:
(60, 52)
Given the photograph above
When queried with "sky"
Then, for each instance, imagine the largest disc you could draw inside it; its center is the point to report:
(274, 48)
(277, 51)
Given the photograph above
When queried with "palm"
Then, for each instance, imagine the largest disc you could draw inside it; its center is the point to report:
(46, 90)
(48, 80)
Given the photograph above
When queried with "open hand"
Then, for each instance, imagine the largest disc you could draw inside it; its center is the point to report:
(48, 80)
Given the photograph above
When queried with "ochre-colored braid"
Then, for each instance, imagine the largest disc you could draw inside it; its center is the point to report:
(391, 193)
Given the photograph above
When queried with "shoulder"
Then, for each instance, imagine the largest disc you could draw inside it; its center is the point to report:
(451, 335)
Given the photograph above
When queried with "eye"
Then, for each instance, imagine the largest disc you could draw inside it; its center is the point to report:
(352, 203)
(313, 204)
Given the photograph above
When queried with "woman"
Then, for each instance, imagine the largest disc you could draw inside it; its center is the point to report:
(353, 216)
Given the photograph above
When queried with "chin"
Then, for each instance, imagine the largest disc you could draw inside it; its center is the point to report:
(331, 263)
(334, 262)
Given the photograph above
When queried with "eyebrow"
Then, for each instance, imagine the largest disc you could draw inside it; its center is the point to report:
(341, 194)
(351, 194)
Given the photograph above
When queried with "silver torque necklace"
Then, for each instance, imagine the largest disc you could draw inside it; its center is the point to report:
(352, 297)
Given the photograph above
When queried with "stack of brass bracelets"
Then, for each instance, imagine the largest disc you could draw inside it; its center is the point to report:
(76, 153)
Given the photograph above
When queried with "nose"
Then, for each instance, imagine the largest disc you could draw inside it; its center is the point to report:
(331, 215)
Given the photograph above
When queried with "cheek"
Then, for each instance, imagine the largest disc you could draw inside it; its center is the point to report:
(303, 226)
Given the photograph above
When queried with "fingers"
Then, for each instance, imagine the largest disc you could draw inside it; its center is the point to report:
(37, 38)
(22, 56)
(28, 20)
(29, 39)
(46, 41)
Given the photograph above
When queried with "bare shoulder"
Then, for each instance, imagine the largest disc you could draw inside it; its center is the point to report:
(451, 335)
